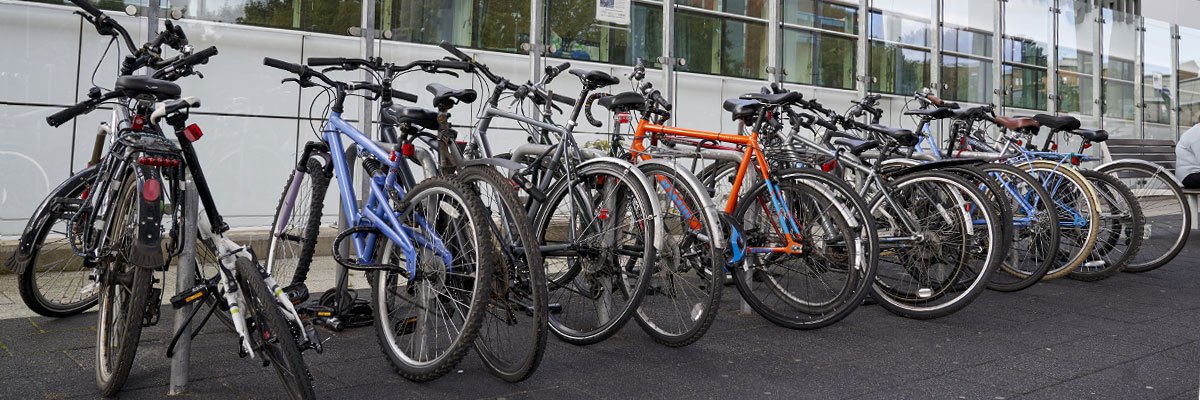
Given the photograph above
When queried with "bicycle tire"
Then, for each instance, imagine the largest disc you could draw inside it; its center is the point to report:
(521, 274)
(685, 292)
(1069, 237)
(939, 291)
(792, 308)
(290, 264)
(1160, 202)
(420, 368)
(572, 320)
(112, 370)
(36, 296)
(1121, 226)
(1001, 211)
(1020, 268)
(274, 337)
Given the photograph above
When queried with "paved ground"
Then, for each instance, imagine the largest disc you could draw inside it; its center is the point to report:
(1129, 337)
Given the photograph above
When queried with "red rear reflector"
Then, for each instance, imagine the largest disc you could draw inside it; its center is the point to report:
(1087, 145)
(623, 117)
(139, 122)
(603, 215)
(407, 149)
(829, 165)
(86, 191)
(151, 189)
(1019, 143)
(192, 133)
(1053, 146)
(1075, 160)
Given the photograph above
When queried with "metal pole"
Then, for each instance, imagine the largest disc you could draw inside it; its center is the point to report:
(775, 42)
(935, 62)
(1052, 61)
(864, 73)
(998, 55)
(1175, 105)
(152, 8)
(1098, 68)
(185, 278)
(537, 46)
(1139, 79)
(668, 48)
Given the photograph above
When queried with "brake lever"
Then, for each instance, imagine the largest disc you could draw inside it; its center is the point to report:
(303, 83)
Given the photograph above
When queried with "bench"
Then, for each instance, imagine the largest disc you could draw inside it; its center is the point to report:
(1157, 151)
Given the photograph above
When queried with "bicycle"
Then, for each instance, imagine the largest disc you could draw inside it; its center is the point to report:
(428, 248)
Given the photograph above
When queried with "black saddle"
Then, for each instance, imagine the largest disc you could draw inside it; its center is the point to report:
(398, 114)
(904, 137)
(934, 113)
(774, 99)
(445, 97)
(623, 101)
(596, 79)
(1092, 135)
(137, 85)
(1063, 123)
(743, 109)
(857, 147)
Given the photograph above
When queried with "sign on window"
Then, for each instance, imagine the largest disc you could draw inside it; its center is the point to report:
(614, 11)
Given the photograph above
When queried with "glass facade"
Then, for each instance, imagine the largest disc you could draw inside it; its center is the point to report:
(1113, 69)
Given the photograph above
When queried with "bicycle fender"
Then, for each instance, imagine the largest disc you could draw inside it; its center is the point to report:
(41, 215)
(147, 250)
(655, 208)
(505, 163)
(710, 208)
(935, 165)
(1112, 164)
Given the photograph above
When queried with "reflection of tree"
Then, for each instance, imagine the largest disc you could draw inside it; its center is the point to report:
(326, 16)
(501, 25)
(897, 71)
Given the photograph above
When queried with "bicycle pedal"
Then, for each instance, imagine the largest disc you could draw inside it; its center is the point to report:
(189, 296)
(555, 308)
(297, 293)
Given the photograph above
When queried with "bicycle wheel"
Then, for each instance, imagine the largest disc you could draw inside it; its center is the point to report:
(124, 291)
(1121, 229)
(273, 336)
(819, 286)
(596, 231)
(54, 282)
(1078, 207)
(426, 321)
(1167, 214)
(294, 241)
(512, 337)
(927, 269)
(988, 246)
(1035, 229)
(685, 291)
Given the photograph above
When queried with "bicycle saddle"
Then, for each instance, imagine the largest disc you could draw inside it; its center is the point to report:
(136, 85)
(597, 79)
(857, 147)
(904, 137)
(742, 109)
(774, 99)
(623, 101)
(935, 113)
(1092, 135)
(398, 114)
(1018, 124)
(445, 96)
(1063, 123)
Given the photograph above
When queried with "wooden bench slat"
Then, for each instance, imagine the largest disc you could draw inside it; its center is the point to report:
(1147, 157)
(1140, 149)
(1140, 142)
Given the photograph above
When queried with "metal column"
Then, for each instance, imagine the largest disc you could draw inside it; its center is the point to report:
(775, 69)
(1176, 105)
(1052, 77)
(536, 36)
(668, 48)
(1139, 78)
(935, 51)
(1098, 69)
(864, 72)
(185, 278)
(998, 55)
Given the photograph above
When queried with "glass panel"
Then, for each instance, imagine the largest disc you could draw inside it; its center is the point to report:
(324, 16)
(500, 25)
(1120, 44)
(1027, 87)
(820, 14)
(698, 41)
(745, 50)
(898, 70)
(819, 59)
(967, 27)
(1189, 77)
(715, 45)
(753, 8)
(966, 79)
(1158, 80)
(575, 34)
(1027, 31)
(896, 28)
(1075, 93)
(1119, 106)
(425, 21)
(1076, 37)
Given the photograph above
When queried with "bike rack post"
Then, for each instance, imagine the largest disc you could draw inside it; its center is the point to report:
(185, 276)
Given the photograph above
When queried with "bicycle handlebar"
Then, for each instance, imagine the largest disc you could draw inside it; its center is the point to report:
(454, 51)
(84, 107)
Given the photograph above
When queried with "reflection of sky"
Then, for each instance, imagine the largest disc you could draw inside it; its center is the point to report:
(1028, 19)
(916, 8)
(970, 14)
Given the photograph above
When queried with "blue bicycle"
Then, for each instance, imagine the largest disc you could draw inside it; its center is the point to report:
(426, 247)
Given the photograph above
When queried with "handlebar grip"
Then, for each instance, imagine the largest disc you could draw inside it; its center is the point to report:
(657, 97)
(199, 57)
(88, 7)
(563, 99)
(454, 51)
(61, 117)
(284, 65)
(324, 61)
(402, 95)
(561, 67)
(449, 64)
